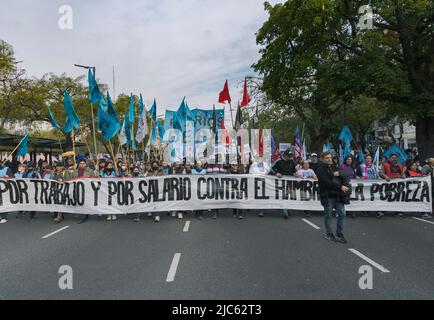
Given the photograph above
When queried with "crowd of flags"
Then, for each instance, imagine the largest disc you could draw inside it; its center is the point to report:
(110, 126)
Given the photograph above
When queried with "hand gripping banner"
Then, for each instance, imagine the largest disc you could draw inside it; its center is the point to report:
(201, 192)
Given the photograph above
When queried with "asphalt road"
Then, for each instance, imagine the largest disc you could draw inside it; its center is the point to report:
(253, 258)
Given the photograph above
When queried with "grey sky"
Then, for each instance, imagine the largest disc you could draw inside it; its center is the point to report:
(164, 49)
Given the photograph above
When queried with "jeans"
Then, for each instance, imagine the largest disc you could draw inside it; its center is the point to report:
(84, 216)
(340, 210)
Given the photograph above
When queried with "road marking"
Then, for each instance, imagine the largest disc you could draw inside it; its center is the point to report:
(423, 220)
(370, 261)
(52, 233)
(173, 267)
(186, 226)
(311, 224)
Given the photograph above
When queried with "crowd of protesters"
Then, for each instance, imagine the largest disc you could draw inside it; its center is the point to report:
(286, 165)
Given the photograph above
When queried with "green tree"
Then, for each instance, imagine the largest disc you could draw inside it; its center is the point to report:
(316, 61)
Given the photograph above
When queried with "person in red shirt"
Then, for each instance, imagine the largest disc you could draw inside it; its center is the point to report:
(393, 169)
(413, 171)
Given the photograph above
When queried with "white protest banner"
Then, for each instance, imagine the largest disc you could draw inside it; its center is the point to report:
(201, 192)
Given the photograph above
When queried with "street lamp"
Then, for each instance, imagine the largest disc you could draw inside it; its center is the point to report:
(91, 106)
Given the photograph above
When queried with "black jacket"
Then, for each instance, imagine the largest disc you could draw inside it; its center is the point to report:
(330, 186)
(285, 168)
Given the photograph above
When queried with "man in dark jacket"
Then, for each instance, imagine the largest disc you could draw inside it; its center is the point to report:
(285, 166)
(333, 193)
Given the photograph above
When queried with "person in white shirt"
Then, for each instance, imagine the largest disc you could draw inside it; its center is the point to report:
(260, 168)
(305, 172)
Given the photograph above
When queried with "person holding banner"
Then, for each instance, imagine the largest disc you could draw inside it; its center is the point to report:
(392, 169)
(31, 173)
(5, 172)
(137, 174)
(81, 172)
(332, 191)
(59, 175)
(21, 171)
(199, 169)
(285, 167)
(236, 213)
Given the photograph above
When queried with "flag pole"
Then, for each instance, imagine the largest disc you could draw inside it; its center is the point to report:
(114, 159)
(232, 116)
(85, 140)
(16, 148)
(73, 147)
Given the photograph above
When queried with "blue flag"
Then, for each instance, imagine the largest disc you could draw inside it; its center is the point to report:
(346, 135)
(53, 121)
(169, 119)
(110, 108)
(347, 151)
(94, 93)
(160, 129)
(23, 148)
(131, 115)
(107, 124)
(395, 149)
(142, 106)
(72, 120)
(205, 118)
(182, 116)
(153, 111)
(361, 156)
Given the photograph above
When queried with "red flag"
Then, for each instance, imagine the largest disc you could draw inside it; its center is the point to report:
(224, 95)
(246, 97)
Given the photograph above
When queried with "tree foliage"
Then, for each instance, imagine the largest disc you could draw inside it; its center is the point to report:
(315, 60)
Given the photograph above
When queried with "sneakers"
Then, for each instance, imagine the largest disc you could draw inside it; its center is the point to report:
(340, 238)
(109, 217)
(200, 217)
(174, 214)
(380, 215)
(114, 217)
(330, 237)
(234, 216)
(261, 214)
(136, 219)
(399, 214)
(179, 215)
(306, 214)
(149, 214)
(214, 216)
(285, 215)
(426, 216)
(157, 219)
(81, 221)
(3, 221)
(240, 217)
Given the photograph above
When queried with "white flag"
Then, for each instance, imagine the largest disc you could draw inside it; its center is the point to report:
(123, 135)
(377, 159)
(142, 129)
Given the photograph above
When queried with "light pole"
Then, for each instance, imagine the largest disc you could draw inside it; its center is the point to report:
(91, 107)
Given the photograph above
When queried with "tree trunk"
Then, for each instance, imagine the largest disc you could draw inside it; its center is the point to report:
(425, 137)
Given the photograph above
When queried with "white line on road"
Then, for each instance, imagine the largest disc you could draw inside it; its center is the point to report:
(311, 224)
(186, 226)
(50, 234)
(423, 220)
(370, 261)
(173, 267)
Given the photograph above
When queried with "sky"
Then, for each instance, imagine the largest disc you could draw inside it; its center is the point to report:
(165, 49)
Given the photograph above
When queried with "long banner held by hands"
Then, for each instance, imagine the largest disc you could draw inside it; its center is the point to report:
(201, 192)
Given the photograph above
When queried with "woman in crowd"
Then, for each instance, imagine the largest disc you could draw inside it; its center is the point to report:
(347, 171)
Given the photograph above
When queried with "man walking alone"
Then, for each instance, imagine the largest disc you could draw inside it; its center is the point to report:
(333, 194)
